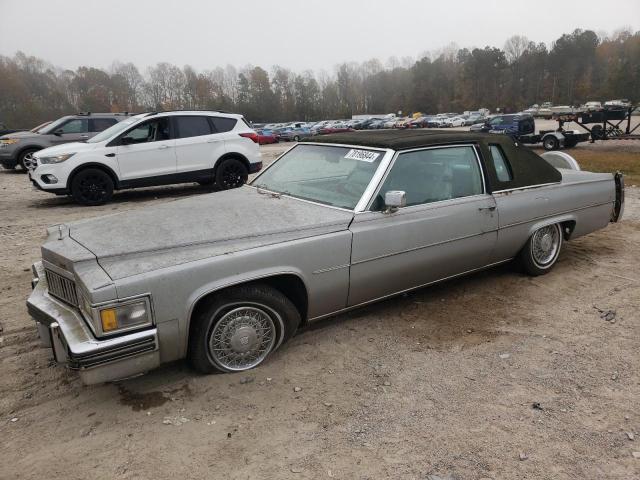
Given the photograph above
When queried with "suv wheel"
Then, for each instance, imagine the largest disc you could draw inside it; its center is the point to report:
(92, 187)
(238, 328)
(25, 159)
(231, 173)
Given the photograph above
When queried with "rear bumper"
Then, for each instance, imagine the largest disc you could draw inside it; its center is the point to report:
(618, 206)
(62, 328)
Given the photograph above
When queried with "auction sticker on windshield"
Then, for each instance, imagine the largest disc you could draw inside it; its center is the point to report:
(364, 155)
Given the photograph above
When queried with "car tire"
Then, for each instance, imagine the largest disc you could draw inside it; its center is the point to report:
(237, 329)
(541, 251)
(231, 173)
(92, 187)
(551, 143)
(25, 157)
(296, 138)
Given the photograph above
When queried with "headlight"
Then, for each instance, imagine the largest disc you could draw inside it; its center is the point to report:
(9, 141)
(118, 317)
(55, 158)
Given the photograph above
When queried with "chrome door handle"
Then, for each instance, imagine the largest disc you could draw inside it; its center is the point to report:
(84, 136)
(162, 147)
(491, 208)
(212, 141)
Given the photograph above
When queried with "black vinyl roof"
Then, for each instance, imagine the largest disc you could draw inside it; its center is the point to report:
(402, 139)
(526, 167)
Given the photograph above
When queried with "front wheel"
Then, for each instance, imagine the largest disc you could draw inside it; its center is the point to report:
(237, 329)
(231, 173)
(541, 251)
(92, 187)
(26, 160)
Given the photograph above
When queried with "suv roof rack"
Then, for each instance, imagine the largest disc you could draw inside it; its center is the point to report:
(190, 110)
(88, 114)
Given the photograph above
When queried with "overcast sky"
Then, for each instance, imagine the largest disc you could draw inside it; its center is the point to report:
(297, 34)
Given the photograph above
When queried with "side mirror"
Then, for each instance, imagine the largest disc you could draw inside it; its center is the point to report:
(126, 141)
(59, 132)
(393, 200)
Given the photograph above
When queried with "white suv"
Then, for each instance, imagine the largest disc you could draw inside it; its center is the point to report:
(157, 148)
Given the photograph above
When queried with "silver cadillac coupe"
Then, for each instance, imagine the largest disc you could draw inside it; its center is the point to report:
(224, 279)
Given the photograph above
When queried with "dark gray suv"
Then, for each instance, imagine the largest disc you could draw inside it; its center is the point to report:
(18, 147)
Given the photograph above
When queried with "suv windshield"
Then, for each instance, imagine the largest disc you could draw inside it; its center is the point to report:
(336, 176)
(113, 130)
(52, 126)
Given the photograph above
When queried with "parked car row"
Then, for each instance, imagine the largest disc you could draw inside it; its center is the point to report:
(89, 156)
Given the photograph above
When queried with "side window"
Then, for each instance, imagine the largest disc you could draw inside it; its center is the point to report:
(151, 131)
(223, 124)
(433, 175)
(77, 125)
(500, 164)
(193, 126)
(100, 124)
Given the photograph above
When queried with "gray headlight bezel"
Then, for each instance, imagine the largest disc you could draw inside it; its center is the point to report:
(93, 316)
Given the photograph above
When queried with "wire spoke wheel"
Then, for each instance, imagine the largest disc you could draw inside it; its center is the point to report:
(545, 245)
(242, 338)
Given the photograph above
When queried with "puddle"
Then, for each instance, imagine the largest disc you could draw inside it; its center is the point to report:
(141, 401)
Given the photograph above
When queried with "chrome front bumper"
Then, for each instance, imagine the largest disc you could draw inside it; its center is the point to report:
(62, 328)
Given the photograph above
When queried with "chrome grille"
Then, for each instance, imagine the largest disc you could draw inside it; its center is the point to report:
(62, 288)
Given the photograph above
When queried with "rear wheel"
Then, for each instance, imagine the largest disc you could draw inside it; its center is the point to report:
(231, 173)
(92, 187)
(551, 143)
(237, 329)
(541, 251)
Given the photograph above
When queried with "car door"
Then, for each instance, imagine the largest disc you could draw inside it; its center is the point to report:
(73, 130)
(147, 150)
(198, 145)
(448, 227)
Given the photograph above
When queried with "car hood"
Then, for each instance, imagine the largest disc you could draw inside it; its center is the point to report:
(203, 226)
(25, 134)
(73, 147)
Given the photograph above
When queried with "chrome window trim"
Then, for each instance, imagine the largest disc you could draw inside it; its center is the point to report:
(526, 187)
(473, 146)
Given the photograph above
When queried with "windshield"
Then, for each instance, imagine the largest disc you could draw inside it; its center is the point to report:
(336, 176)
(113, 130)
(40, 127)
(507, 120)
(52, 126)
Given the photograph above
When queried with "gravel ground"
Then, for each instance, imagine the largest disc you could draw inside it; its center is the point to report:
(497, 375)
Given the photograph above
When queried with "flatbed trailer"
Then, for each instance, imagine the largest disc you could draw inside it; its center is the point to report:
(609, 123)
(613, 122)
(555, 139)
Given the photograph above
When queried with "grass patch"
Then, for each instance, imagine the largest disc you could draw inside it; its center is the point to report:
(610, 161)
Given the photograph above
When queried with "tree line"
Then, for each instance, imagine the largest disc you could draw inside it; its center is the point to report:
(577, 67)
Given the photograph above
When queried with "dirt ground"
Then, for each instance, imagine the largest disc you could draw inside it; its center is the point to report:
(494, 376)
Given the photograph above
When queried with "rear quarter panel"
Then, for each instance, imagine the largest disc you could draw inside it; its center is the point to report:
(582, 197)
